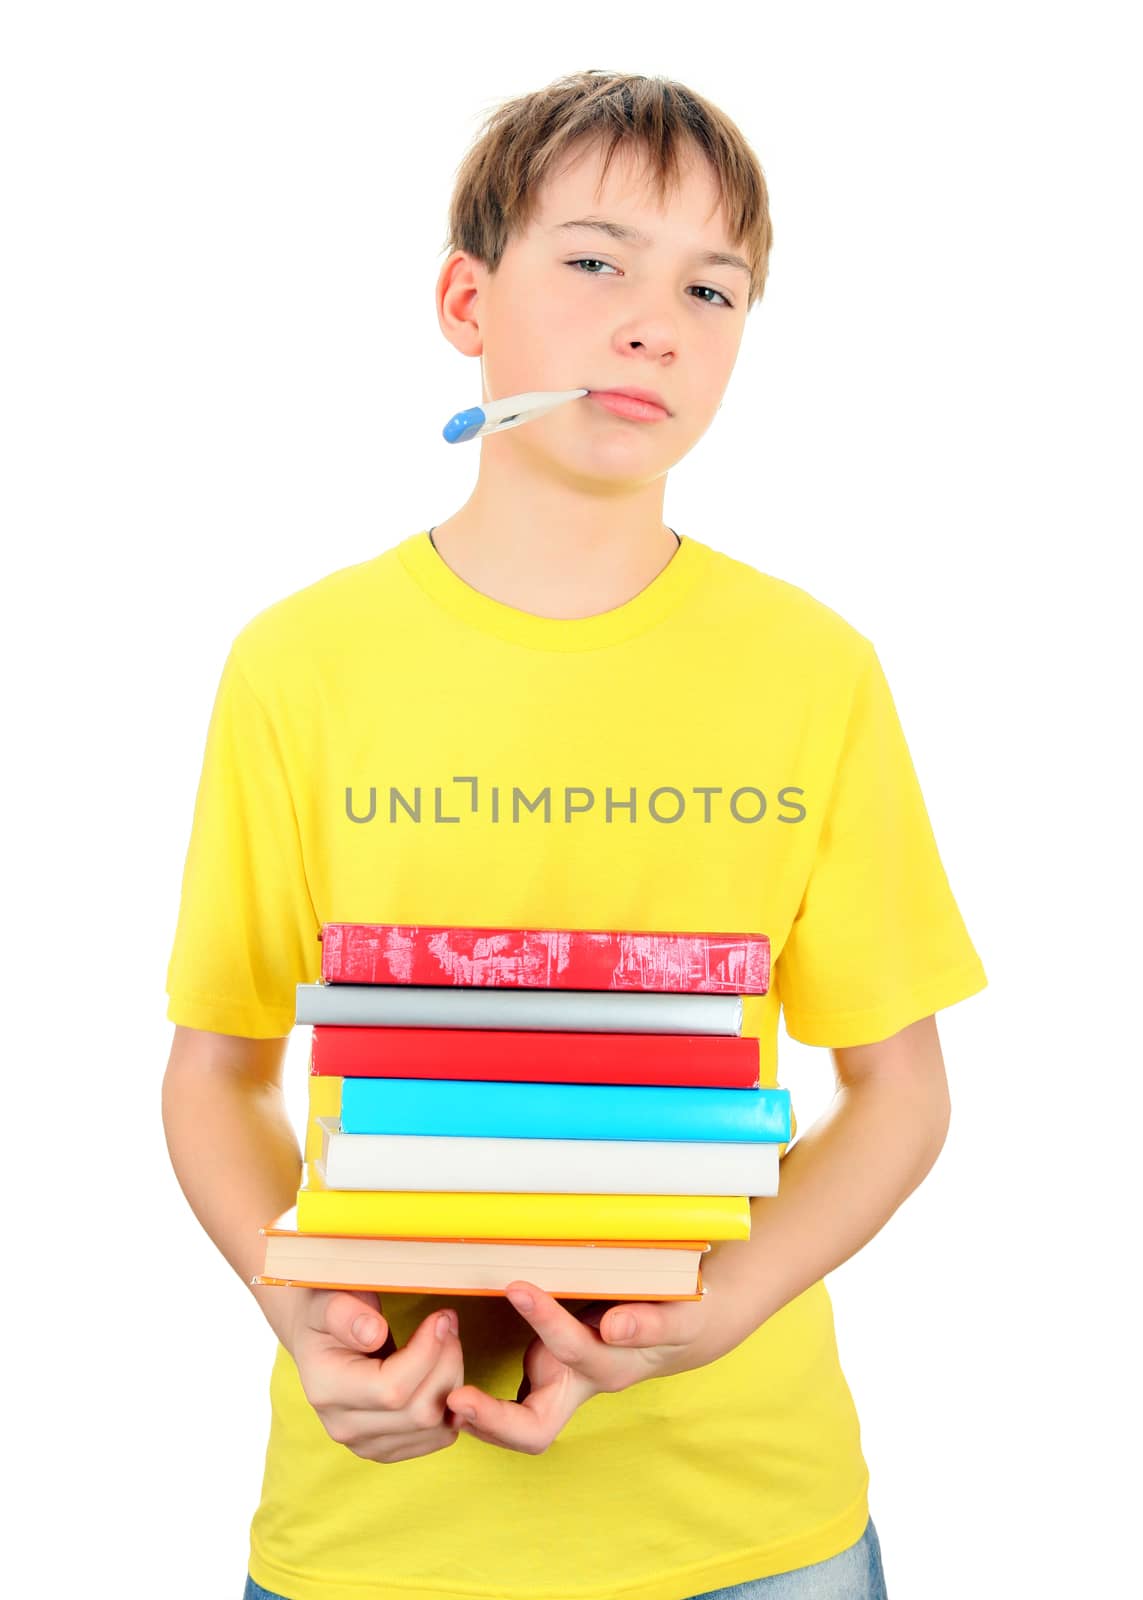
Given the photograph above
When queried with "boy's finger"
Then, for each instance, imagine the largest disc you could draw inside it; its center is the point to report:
(411, 1368)
(651, 1323)
(390, 1384)
(529, 1427)
(568, 1338)
(355, 1320)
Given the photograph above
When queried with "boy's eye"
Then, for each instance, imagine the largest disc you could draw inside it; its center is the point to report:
(595, 262)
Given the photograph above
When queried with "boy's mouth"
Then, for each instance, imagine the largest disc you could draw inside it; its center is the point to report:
(637, 405)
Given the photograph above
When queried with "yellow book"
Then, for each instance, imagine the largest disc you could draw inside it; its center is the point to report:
(465, 1215)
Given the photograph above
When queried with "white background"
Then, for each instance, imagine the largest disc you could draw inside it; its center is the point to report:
(223, 378)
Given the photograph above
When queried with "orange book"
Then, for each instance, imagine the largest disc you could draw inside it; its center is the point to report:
(573, 1269)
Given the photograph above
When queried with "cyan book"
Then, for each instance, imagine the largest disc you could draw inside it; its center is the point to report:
(466, 1108)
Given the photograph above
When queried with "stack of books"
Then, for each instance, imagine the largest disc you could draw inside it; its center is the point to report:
(574, 1107)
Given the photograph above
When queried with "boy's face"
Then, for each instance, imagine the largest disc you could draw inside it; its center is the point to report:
(577, 307)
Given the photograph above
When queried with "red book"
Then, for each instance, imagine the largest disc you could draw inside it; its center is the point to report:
(545, 958)
(680, 1060)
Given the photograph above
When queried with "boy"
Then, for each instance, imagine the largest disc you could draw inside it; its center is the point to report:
(608, 726)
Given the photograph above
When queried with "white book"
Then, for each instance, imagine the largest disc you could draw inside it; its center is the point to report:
(443, 1163)
(401, 1005)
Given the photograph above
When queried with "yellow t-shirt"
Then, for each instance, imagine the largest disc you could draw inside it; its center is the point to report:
(721, 752)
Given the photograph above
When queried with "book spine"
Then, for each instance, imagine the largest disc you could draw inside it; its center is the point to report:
(583, 1111)
(545, 958)
(380, 1005)
(375, 1161)
(521, 1056)
(435, 1267)
(554, 1216)
(662, 1256)
(556, 1285)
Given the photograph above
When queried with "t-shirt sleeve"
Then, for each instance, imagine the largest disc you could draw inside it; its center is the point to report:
(878, 941)
(247, 932)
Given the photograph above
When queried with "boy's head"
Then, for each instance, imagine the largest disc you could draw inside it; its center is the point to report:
(548, 306)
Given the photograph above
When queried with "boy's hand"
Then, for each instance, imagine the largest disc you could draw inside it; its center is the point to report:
(387, 1409)
(575, 1357)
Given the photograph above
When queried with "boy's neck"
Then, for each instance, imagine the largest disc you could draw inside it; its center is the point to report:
(547, 580)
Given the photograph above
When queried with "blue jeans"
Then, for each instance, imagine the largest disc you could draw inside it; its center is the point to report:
(855, 1574)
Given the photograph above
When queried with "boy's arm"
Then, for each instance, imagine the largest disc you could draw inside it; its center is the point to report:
(839, 1184)
(233, 1147)
(841, 1181)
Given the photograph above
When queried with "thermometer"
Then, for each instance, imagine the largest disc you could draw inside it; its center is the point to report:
(497, 415)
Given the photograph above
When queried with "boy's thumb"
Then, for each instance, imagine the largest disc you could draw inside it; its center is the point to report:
(357, 1321)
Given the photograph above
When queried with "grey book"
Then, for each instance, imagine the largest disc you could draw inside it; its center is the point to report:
(558, 1010)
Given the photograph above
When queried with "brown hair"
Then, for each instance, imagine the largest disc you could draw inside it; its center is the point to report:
(522, 140)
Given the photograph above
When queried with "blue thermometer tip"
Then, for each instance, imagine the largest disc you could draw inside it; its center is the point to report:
(464, 425)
